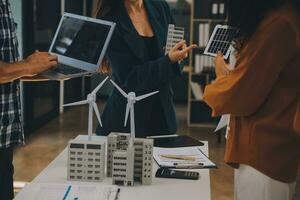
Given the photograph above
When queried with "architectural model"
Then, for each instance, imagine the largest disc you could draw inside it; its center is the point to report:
(123, 167)
(143, 152)
(128, 155)
(115, 142)
(86, 158)
(175, 35)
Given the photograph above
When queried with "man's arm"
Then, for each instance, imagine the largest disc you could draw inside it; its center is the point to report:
(13, 71)
(34, 64)
(36, 78)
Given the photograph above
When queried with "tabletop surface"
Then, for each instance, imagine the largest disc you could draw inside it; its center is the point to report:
(161, 189)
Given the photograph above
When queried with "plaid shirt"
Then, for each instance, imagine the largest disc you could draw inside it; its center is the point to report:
(11, 129)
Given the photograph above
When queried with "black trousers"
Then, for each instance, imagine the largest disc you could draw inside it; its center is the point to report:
(6, 174)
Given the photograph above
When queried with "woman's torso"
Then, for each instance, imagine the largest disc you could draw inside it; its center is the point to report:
(267, 140)
(127, 50)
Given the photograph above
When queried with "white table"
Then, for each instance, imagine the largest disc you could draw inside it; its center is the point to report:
(161, 189)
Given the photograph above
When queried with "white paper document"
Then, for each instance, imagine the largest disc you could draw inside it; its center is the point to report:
(73, 192)
(197, 91)
(200, 159)
(224, 122)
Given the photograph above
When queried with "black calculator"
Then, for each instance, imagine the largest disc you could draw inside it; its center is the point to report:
(171, 173)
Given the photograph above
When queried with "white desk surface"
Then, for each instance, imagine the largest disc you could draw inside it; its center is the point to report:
(161, 188)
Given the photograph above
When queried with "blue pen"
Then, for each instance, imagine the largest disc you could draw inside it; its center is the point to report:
(67, 193)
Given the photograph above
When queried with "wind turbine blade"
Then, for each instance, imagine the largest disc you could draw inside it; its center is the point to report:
(145, 96)
(118, 88)
(76, 103)
(99, 86)
(97, 113)
(127, 114)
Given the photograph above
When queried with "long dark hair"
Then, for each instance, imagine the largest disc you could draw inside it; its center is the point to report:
(246, 15)
(104, 8)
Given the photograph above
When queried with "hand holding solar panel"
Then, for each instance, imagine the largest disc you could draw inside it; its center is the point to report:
(221, 40)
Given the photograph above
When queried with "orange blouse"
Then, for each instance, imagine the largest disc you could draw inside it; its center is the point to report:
(262, 94)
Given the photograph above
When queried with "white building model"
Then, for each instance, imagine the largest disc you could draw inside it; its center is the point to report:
(129, 159)
(142, 160)
(175, 35)
(86, 158)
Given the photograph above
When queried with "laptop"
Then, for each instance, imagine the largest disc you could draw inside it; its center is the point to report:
(80, 44)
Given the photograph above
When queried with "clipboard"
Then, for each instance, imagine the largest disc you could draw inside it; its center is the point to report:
(201, 160)
(176, 141)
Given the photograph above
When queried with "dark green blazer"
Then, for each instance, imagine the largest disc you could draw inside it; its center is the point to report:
(130, 70)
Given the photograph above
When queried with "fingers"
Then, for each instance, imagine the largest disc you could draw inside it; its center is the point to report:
(179, 45)
(220, 54)
(184, 52)
(52, 58)
(47, 56)
(180, 51)
(53, 63)
(42, 53)
(188, 49)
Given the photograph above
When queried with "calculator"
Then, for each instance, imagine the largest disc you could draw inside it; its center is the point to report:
(171, 173)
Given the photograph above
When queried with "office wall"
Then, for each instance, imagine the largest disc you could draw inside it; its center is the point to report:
(16, 6)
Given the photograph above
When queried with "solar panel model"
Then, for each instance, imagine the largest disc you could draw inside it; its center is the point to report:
(175, 35)
(221, 40)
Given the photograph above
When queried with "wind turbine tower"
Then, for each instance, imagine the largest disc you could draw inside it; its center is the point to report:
(86, 157)
(129, 162)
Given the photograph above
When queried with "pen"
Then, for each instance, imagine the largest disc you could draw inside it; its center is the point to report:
(185, 166)
(117, 194)
(67, 192)
(178, 157)
(161, 136)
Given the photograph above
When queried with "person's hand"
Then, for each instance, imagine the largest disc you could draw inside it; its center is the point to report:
(39, 62)
(180, 51)
(222, 68)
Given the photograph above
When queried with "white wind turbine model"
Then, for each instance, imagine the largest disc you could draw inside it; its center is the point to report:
(91, 100)
(131, 100)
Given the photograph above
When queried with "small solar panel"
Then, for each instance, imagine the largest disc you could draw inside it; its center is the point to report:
(175, 35)
(221, 40)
